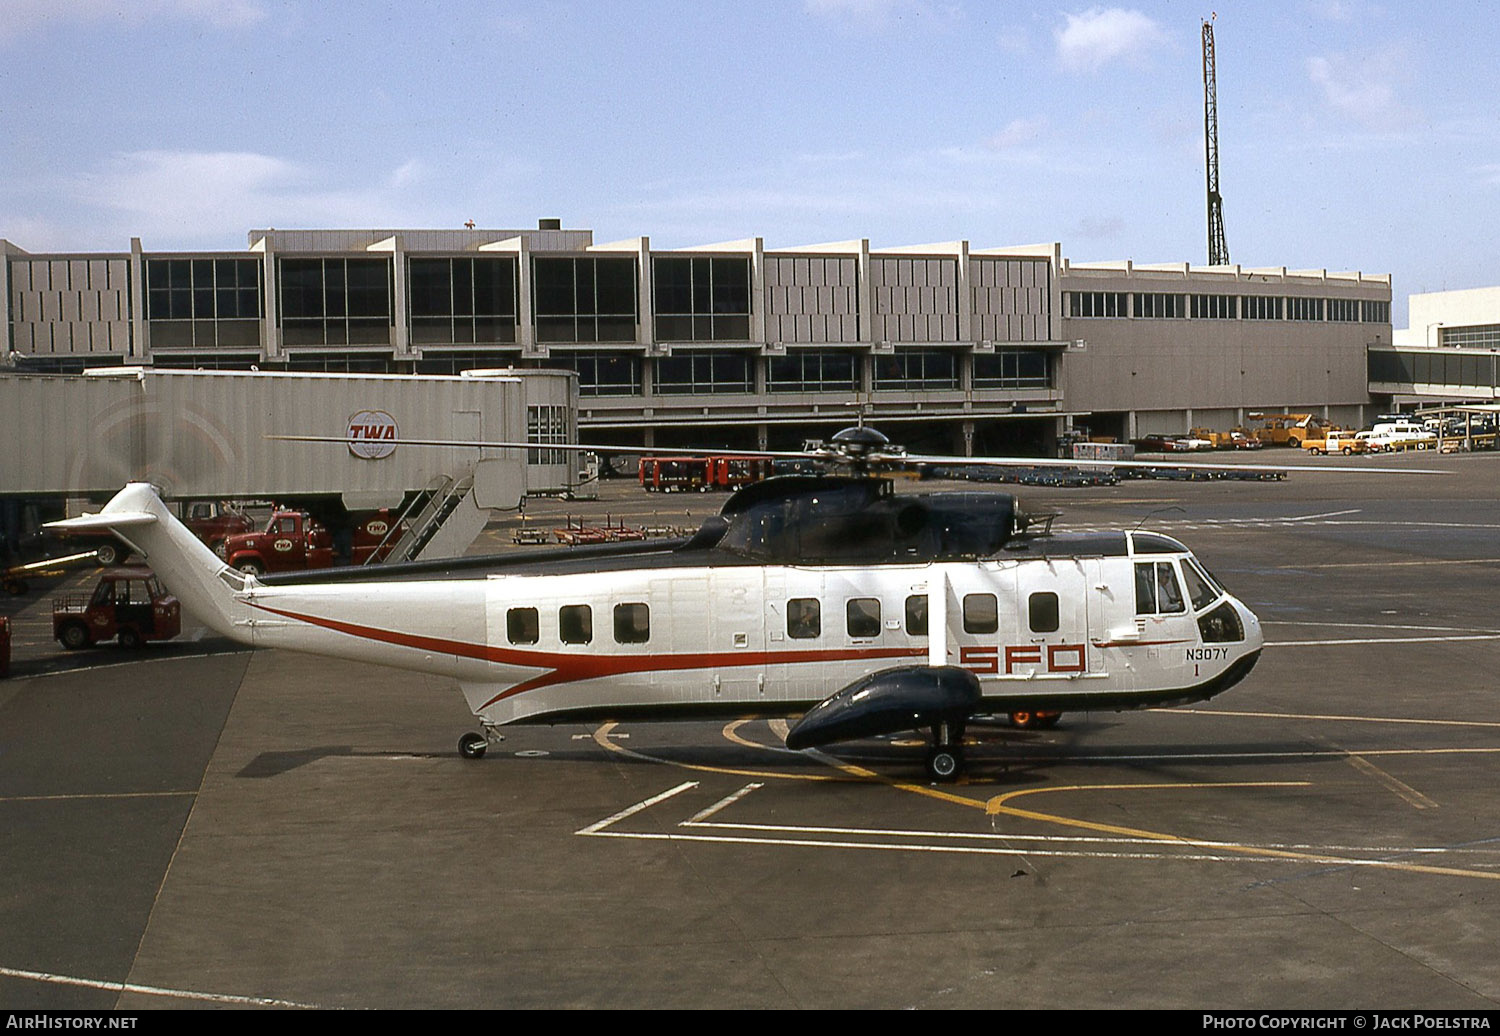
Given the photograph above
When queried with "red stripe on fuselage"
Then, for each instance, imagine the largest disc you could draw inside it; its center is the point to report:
(561, 668)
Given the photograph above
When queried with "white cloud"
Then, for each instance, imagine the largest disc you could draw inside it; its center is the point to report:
(877, 14)
(1016, 133)
(1362, 88)
(190, 196)
(25, 16)
(1099, 36)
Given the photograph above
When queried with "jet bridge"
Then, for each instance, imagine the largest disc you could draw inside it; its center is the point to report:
(206, 435)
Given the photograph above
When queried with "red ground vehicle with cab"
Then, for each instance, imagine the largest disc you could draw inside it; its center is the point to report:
(292, 540)
(128, 604)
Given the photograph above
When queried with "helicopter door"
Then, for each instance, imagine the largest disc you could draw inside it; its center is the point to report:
(1052, 640)
(735, 634)
(799, 628)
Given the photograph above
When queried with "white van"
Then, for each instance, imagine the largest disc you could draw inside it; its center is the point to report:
(1399, 435)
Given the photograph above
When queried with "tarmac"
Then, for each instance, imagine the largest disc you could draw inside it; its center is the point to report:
(195, 825)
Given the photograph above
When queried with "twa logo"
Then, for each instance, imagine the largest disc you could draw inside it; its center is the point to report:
(372, 434)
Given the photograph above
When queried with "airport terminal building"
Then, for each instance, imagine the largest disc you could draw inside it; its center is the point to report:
(947, 347)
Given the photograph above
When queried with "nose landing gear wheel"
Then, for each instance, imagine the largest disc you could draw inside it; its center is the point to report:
(472, 746)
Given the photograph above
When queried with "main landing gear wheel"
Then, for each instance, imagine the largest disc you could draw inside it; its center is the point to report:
(472, 746)
(945, 763)
(1034, 720)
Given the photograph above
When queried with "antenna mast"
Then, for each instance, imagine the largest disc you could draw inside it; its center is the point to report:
(1218, 248)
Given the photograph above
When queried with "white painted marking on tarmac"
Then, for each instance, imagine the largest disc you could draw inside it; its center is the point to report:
(1374, 626)
(1381, 640)
(100, 795)
(135, 661)
(630, 811)
(978, 843)
(722, 804)
(1338, 719)
(856, 838)
(1400, 788)
(1325, 514)
(132, 987)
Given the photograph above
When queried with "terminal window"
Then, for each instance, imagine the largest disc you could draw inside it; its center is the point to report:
(1012, 368)
(1098, 304)
(1213, 307)
(704, 373)
(584, 299)
(701, 299)
(917, 370)
(1261, 307)
(203, 303)
(463, 300)
(1159, 306)
(813, 370)
(336, 301)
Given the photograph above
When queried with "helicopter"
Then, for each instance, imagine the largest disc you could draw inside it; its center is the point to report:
(828, 597)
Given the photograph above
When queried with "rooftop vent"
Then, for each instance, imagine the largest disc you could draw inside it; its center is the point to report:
(549, 224)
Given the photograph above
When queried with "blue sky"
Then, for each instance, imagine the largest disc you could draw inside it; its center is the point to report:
(1353, 135)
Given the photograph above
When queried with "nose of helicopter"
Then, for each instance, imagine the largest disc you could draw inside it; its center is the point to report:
(1254, 637)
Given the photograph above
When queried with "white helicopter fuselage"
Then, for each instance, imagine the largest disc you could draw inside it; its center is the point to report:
(1105, 621)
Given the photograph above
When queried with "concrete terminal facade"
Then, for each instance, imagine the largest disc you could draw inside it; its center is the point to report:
(1449, 353)
(948, 347)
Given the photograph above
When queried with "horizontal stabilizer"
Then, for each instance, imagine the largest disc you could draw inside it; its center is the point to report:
(104, 521)
(887, 702)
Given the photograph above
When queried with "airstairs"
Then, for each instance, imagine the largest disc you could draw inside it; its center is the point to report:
(441, 521)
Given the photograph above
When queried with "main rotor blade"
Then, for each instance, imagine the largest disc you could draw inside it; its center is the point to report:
(873, 459)
(1048, 462)
(575, 447)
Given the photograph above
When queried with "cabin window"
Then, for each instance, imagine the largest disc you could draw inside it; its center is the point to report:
(981, 613)
(632, 623)
(863, 616)
(522, 625)
(575, 623)
(1156, 588)
(916, 615)
(1042, 612)
(804, 619)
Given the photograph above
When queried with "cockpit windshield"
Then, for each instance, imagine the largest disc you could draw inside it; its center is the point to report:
(1201, 588)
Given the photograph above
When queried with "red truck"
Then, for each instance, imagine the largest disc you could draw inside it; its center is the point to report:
(129, 604)
(291, 540)
(211, 521)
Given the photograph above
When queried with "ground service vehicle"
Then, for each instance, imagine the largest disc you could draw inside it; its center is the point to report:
(733, 472)
(1285, 429)
(213, 522)
(1386, 437)
(129, 603)
(675, 474)
(1334, 441)
(292, 540)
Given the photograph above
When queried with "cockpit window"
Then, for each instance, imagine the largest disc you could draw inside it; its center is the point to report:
(1169, 594)
(1155, 543)
(1200, 591)
(1156, 588)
